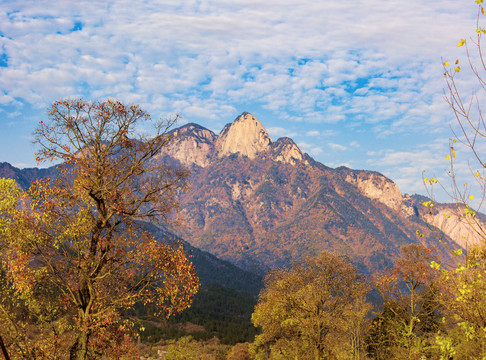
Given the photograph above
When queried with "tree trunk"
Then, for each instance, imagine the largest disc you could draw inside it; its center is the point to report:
(4, 349)
(79, 350)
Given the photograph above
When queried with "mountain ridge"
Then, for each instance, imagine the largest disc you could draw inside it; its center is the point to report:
(259, 203)
(269, 204)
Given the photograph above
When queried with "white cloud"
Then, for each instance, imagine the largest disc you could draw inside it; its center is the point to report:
(277, 132)
(311, 149)
(315, 151)
(22, 165)
(329, 133)
(313, 133)
(370, 67)
(337, 147)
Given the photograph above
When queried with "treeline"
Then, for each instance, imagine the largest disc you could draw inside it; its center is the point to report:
(319, 308)
(218, 311)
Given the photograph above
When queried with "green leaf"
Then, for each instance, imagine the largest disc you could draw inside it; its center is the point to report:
(458, 252)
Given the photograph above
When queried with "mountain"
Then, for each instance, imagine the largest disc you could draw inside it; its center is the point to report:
(259, 203)
(24, 177)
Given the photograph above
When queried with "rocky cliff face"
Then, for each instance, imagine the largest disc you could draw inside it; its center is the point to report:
(448, 219)
(286, 151)
(245, 136)
(465, 231)
(192, 144)
(377, 187)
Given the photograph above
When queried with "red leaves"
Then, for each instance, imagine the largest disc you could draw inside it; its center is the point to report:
(21, 274)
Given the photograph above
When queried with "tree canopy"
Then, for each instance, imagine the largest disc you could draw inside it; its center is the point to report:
(312, 310)
(73, 249)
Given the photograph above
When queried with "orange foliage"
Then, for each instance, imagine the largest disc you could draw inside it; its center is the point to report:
(78, 241)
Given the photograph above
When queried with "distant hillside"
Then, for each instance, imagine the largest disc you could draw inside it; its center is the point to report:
(212, 270)
(25, 176)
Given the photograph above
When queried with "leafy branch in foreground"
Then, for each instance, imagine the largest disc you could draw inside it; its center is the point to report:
(463, 282)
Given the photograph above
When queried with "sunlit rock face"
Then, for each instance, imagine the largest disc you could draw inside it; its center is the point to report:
(464, 230)
(245, 136)
(286, 151)
(377, 187)
(192, 144)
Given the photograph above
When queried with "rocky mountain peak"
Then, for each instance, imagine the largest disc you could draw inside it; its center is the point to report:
(246, 135)
(286, 151)
(192, 144)
(195, 130)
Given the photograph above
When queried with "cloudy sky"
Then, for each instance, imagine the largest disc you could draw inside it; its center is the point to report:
(356, 83)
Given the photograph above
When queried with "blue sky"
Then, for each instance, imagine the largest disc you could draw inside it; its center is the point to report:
(356, 83)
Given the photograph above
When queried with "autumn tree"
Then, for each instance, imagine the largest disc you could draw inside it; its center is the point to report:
(464, 281)
(405, 328)
(311, 310)
(74, 249)
(239, 352)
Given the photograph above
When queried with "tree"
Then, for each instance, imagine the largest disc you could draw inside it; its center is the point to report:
(464, 281)
(239, 352)
(78, 244)
(464, 298)
(470, 134)
(310, 310)
(411, 314)
(186, 348)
